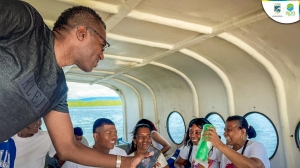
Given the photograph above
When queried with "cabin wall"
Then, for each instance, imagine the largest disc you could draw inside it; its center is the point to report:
(131, 107)
(147, 99)
(277, 52)
(210, 90)
(172, 93)
(292, 91)
(292, 87)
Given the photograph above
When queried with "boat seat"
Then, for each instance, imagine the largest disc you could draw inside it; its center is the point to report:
(171, 160)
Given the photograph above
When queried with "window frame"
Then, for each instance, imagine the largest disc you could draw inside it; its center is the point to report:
(212, 113)
(277, 144)
(169, 131)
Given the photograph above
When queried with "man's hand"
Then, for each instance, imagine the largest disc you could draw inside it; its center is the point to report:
(132, 162)
(213, 137)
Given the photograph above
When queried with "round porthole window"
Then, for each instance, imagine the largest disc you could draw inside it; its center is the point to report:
(217, 120)
(176, 127)
(266, 132)
(297, 135)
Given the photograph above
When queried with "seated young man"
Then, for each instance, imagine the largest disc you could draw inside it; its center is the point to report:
(32, 146)
(105, 137)
(79, 136)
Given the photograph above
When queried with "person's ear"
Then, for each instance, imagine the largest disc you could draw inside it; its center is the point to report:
(81, 32)
(243, 131)
(96, 136)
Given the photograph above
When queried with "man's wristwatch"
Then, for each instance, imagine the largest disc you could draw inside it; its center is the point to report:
(118, 163)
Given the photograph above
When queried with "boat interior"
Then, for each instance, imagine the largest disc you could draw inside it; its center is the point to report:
(197, 58)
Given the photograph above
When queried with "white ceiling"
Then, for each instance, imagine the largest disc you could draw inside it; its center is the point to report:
(145, 31)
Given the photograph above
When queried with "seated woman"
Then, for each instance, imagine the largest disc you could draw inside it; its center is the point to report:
(239, 151)
(141, 141)
(157, 140)
(187, 153)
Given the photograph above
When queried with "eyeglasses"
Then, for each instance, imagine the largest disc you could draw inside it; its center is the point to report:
(106, 45)
(230, 129)
(142, 137)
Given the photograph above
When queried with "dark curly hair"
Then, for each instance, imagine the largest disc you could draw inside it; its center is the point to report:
(199, 122)
(148, 122)
(78, 15)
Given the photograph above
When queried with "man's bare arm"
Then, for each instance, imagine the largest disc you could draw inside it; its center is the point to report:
(60, 129)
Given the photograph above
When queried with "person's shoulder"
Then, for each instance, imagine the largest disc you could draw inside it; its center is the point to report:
(186, 147)
(17, 6)
(43, 133)
(44, 136)
(215, 150)
(84, 141)
(251, 142)
(118, 151)
(8, 141)
(131, 154)
(153, 131)
(256, 145)
(13, 3)
(184, 150)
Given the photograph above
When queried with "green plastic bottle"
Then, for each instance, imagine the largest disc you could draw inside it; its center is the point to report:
(203, 148)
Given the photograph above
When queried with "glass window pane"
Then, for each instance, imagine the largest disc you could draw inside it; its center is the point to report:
(176, 127)
(266, 132)
(217, 121)
(85, 117)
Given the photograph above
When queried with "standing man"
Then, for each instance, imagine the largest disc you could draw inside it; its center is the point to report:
(32, 81)
(105, 137)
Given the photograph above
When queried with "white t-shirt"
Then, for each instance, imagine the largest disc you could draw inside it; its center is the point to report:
(184, 153)
(214, 156)
(84, 141)
(161, 159)
(154, 143)
(253, 149)
(32, 151)
(114, 151)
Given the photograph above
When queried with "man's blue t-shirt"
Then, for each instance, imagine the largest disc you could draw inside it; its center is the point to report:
(7, 153)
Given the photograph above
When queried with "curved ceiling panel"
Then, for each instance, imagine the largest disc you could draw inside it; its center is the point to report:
(201, 12)
(281, 41)
(166, 85)
(150, 31)
(130, 50)
(252, 84)
(148, 99)
(208, 84)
